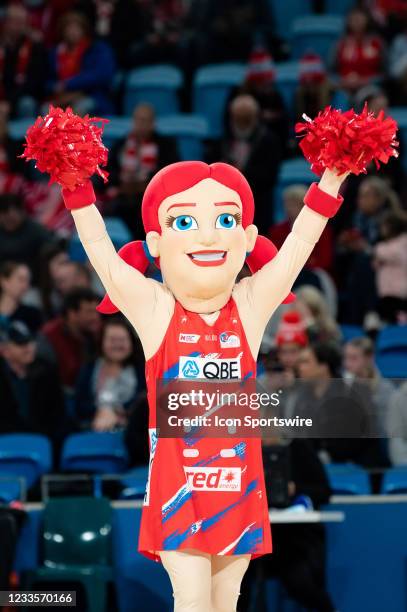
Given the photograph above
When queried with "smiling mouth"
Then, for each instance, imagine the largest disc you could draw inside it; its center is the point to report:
(208, 258)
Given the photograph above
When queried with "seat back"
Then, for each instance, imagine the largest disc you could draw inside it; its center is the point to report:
(77, 531)
(189, 130)
(100, 453)
(11, 488)
(286, 82)
(333, 7)
(317, 33)
(348, 479)
(283, 12)
(393, 337)
(211, 89)
(155, 85)
(399, 113)
(351, 331)
(118, 128)
(393, 363)
(134, 483)
(394, 481)
(25, 455)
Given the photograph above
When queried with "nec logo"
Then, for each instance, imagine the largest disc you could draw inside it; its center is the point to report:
(213, 479)
(204, 367)
(189, 338)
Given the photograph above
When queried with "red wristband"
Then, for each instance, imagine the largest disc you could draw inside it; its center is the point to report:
(80, 197)
(322, 202)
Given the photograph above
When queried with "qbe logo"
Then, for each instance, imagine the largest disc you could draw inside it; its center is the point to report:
(213, 479)
(229, 340)
(204, 367)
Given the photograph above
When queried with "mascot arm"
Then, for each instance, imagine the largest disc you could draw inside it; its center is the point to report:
(139, 298)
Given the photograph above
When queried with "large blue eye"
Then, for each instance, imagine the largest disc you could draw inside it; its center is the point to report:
(225, 221)
(183, 223)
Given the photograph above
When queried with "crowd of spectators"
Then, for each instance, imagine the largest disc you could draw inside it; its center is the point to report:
(88, 369)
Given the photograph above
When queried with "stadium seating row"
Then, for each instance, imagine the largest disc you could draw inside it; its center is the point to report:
(27, 456)
(284, 13)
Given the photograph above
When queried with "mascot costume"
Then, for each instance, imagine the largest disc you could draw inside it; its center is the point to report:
(199, 228)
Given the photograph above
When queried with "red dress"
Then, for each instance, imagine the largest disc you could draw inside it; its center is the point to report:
(209, 496)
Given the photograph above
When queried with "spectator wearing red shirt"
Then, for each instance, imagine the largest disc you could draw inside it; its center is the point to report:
(321, 256)
(359, 55)
(72, 338)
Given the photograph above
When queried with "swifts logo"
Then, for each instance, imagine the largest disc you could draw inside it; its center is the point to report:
(229, 340)
(213, 479)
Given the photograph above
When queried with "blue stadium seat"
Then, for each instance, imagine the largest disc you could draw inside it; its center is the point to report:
(10, 489)
(399, 113)
(117, 129)
(100, 453)
(117, 230)
(348, 479)
(283, 12)
(351, 331)
(156, 85)
(393, 337)
(287, 76)
(333, 7)
(292, 171)
(316, 33)
(25, 455)
(134, 483)
(189, 130)
(394, 481)
(18, 127)
(211, 88)
(392, 364)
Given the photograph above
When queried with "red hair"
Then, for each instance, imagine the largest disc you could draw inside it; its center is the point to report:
(176, 178)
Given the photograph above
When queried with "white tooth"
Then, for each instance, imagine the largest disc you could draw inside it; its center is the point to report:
(207, 256)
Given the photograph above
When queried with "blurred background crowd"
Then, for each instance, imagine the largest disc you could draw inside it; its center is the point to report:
(182, 79)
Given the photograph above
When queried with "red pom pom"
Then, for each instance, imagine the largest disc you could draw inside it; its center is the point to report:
(347, 142)
(67, 146)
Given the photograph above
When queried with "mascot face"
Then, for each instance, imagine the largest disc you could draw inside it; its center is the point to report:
(202, 245)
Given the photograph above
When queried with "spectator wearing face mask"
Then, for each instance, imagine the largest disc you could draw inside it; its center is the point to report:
(108, 386)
